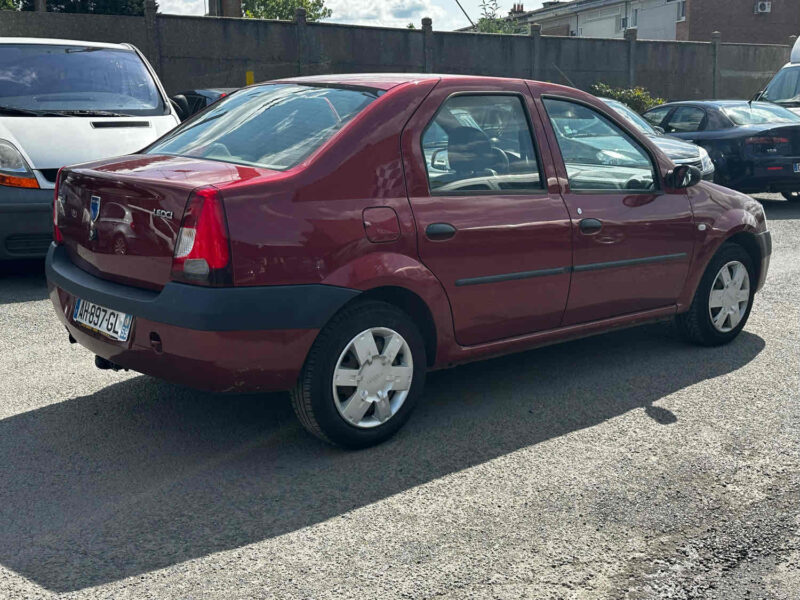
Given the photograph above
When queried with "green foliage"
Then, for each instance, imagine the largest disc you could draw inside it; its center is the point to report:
(100, 7)
(411, 26)
(284, 9)
(491, 21)
(8, 5)
(638, 98)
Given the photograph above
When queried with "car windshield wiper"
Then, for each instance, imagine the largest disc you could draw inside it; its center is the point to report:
(13, 110)
(88, 113)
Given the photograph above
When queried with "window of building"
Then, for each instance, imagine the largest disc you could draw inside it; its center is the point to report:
(481, 144)
(635, 18)
(681, 10)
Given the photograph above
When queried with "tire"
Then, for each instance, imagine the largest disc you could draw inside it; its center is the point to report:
(698, 324)
(325, 409)
(791, 196)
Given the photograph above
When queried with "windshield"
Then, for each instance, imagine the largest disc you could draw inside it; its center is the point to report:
(759, 114)
(52, 78)
(784, 87)
(631, 115)
(274, 126)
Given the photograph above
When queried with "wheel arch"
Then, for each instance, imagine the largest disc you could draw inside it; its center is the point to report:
(406, 283)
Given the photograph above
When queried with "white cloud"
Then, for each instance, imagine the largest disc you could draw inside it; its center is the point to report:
(446, 14)
(386, 13)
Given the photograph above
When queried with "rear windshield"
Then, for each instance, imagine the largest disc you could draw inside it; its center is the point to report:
(274, 126)
(50, 79)
(759, 114)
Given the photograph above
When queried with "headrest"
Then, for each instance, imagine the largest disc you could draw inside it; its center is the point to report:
(468, 149)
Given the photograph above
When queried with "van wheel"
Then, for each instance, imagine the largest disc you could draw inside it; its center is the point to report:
(363, 376)
(723, 300)
(791, 196)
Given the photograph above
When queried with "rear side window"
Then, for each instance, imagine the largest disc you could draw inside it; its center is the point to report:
(481, 144)
(597, 154)
(272, 126)
(686, 119)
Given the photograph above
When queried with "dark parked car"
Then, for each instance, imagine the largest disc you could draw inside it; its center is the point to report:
(755, 146)
(341, 235)
(193, 101)
(681, 153)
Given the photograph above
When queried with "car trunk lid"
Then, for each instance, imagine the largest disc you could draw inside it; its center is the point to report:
(120, 219)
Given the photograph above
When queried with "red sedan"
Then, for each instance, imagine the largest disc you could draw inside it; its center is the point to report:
(339, 236)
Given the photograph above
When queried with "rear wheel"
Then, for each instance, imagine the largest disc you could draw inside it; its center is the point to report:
(791, 196)
(363, 376)
(723, 300)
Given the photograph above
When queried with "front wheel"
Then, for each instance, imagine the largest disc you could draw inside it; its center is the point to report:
(791, 196)
(363, 376)
(723, 300)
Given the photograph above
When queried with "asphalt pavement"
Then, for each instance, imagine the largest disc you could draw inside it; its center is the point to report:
(628, 465)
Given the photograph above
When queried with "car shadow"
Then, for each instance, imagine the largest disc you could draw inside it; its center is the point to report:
(143, 474)
(22, 281)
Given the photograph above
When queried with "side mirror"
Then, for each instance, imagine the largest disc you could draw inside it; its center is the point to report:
(181, 105)
(659, 130)
(684, 176)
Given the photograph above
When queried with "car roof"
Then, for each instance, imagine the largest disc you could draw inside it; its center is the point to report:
(386, 81)
(58, 42)
(713, 103)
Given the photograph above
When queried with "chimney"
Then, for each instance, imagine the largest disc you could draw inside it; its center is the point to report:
(516, 9)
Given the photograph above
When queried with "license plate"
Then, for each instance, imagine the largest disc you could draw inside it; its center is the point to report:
(111, 323)
(797, 167)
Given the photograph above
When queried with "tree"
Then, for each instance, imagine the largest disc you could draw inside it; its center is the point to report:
(100, 7)
(491, 22)
(8, 5)
(284, 9)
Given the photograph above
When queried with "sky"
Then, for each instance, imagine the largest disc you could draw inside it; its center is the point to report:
(390, 13)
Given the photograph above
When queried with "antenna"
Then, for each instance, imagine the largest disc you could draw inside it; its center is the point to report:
(465, 13)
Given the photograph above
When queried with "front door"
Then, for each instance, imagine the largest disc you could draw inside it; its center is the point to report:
(488, 226)
(632, 239)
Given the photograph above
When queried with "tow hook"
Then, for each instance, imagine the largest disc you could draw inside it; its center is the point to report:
(105, 364)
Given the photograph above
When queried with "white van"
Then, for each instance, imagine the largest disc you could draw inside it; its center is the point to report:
(64, 102)
(784, 88)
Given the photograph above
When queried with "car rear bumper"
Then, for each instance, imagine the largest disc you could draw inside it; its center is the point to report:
(774, 175)
(219, 339)
(26, 227)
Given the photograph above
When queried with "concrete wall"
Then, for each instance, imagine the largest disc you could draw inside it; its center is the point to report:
(195, 52)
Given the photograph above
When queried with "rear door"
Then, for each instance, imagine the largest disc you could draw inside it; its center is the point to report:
(633, 240)
(488, 224)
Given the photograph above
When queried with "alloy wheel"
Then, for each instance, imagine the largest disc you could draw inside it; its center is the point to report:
(729, 297)
(372, 377)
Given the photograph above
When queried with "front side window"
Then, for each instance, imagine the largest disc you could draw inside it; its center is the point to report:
(597, 154)
(686, 119)
(481, 144)
(274, 126)
(54, 79)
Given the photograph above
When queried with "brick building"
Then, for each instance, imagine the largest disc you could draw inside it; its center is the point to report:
(746, 21)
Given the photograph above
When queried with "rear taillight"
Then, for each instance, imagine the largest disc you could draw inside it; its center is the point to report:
(202, 250)
(58, 209)
(769, 145)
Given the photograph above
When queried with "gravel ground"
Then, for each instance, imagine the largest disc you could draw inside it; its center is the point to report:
(624, 466)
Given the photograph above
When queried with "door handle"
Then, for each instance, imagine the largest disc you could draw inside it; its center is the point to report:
(590, 226)
(439, 231)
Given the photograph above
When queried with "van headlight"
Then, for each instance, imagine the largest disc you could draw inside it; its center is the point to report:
(706, 161)
(14, 171)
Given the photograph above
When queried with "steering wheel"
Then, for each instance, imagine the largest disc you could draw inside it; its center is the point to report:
(501, 162)
(635, 183)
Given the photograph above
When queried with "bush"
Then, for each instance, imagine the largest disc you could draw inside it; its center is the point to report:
(638, 98)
